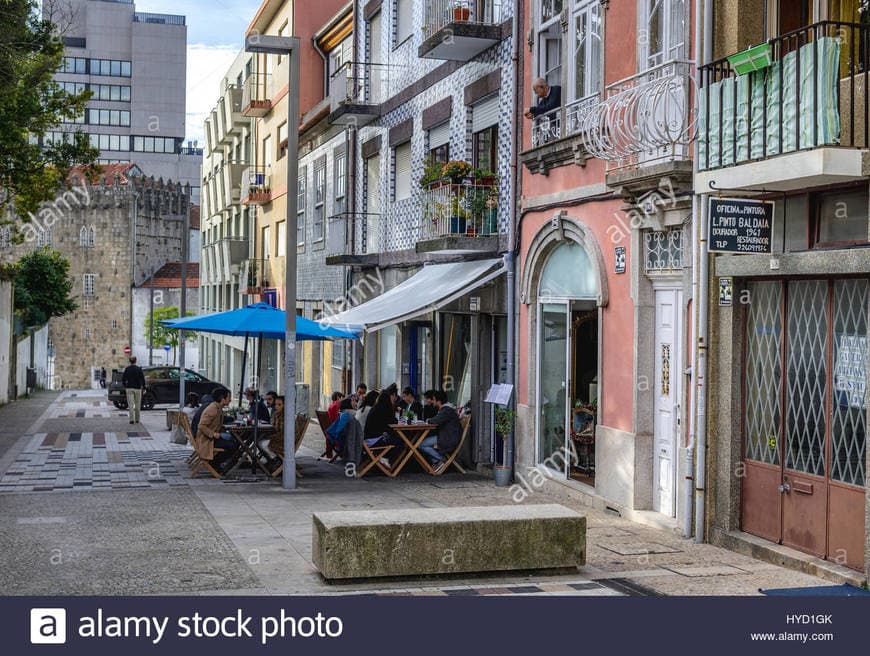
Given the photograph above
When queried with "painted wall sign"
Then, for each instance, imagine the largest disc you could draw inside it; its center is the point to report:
(738, 225)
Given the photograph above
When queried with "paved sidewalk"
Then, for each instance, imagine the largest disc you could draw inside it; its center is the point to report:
(140, 525)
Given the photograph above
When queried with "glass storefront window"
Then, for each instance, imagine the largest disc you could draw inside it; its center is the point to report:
(387, 356)
(456, 358)
(568, 273)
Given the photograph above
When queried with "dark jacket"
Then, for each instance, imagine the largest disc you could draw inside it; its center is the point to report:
(133, 377)
(549, 102)
(416, 407)
(449, 428)
(429, 411)
(258, 410)
(378, 421)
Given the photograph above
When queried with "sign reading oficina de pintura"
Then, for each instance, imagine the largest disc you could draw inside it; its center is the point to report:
(739, 225)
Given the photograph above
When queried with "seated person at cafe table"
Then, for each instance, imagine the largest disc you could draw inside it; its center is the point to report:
(275, 442)
(448, 435)
(269, 398)
(209, 435)
(333, 411)
(409, 402)
(365, 407)
(339, 431)
(204, 402)
(256, 408)
(429, 409)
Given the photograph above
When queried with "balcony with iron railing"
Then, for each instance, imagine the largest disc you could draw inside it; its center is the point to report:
(254, 275)
(256, 97)
(356, 90)
(460, 30)
(788, 114)
(256, 186)
(353, 238)
(459, 216)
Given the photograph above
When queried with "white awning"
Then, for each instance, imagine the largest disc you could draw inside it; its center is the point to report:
(431, 288)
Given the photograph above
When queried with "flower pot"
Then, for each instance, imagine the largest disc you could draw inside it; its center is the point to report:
(461, 14)
(486, 181)
(502, 475)
(457, 224)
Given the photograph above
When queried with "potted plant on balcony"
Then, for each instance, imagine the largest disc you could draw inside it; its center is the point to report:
(456, 171)
(484, 177)
(253, 276)
(461, 12)
(504, 424)
(432, 175)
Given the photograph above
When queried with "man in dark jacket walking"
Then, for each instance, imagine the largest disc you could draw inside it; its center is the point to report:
(133, 380)
(449, 432)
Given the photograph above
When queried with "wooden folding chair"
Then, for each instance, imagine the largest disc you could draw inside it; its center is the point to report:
(465, 422)
(194, 460)
(323, 420)
(374, 455)
(278, 449)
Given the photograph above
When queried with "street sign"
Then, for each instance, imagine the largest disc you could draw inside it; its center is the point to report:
(166, 347)
(739, 225)
(127, 350)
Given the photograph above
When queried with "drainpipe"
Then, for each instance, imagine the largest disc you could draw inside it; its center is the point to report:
(510, 255)
(702, 313)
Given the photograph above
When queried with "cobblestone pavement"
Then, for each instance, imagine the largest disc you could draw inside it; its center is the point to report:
(140, 525)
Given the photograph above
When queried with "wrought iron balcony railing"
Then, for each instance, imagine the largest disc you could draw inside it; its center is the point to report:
(441, 13)
(353, 233)
(811, 93)
(467, 209)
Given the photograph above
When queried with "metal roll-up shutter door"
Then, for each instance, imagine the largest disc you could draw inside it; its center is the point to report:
(439, 135)
(484, 114)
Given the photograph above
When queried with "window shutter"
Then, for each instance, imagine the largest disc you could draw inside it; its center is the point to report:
(439, 135)
(403, 171)
(484, 114)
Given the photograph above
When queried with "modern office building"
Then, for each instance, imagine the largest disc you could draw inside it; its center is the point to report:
(134, 63)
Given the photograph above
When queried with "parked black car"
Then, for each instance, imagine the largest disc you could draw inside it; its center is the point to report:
(161, 386)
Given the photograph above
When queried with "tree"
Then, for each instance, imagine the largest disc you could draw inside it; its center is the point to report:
(42, 287)
(162, 334)
(32, 170)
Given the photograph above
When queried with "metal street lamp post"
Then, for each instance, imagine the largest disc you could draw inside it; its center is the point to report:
(289, 46)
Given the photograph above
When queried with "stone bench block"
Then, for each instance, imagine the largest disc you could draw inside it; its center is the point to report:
(418, 541)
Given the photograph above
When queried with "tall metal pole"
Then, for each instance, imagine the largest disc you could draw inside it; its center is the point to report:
(185, 255)
(151, 322)
(289, 474)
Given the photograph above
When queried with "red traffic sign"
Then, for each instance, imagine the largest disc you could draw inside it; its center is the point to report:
(127, 350)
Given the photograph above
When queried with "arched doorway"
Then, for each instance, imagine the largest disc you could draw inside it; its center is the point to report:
(567, 347)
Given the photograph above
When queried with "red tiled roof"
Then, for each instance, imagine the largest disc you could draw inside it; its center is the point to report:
(108, 171)
(169, 276)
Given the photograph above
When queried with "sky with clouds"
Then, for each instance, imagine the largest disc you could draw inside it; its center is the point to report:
(215, 33)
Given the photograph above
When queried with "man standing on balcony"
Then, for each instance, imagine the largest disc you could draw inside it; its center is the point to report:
(549, 98)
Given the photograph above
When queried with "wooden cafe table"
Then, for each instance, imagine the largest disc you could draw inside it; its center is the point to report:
(245, 437)
(412, 435)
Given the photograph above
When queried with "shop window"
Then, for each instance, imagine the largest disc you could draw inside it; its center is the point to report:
(456, 358)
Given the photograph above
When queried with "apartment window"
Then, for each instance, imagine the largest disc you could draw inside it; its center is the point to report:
(338, 354)
(301, 205)
(439, 143)
(110, 67)
(77, 119)
(340, 181)
(74, 65)
(267, 242)
(88, 280)
(664, 22)
(404, 20)
(549, 41)
(282, 31)
(112, 141)
(319, 198)
(282, 140)
(109, 117)
(110, 92)
(281, 246)
(72, 88)
(840, 217)
(484, 128)
(587, 47)
(402, 171)
(267, 150)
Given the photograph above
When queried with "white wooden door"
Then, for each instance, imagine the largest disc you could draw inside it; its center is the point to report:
(668, 378)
